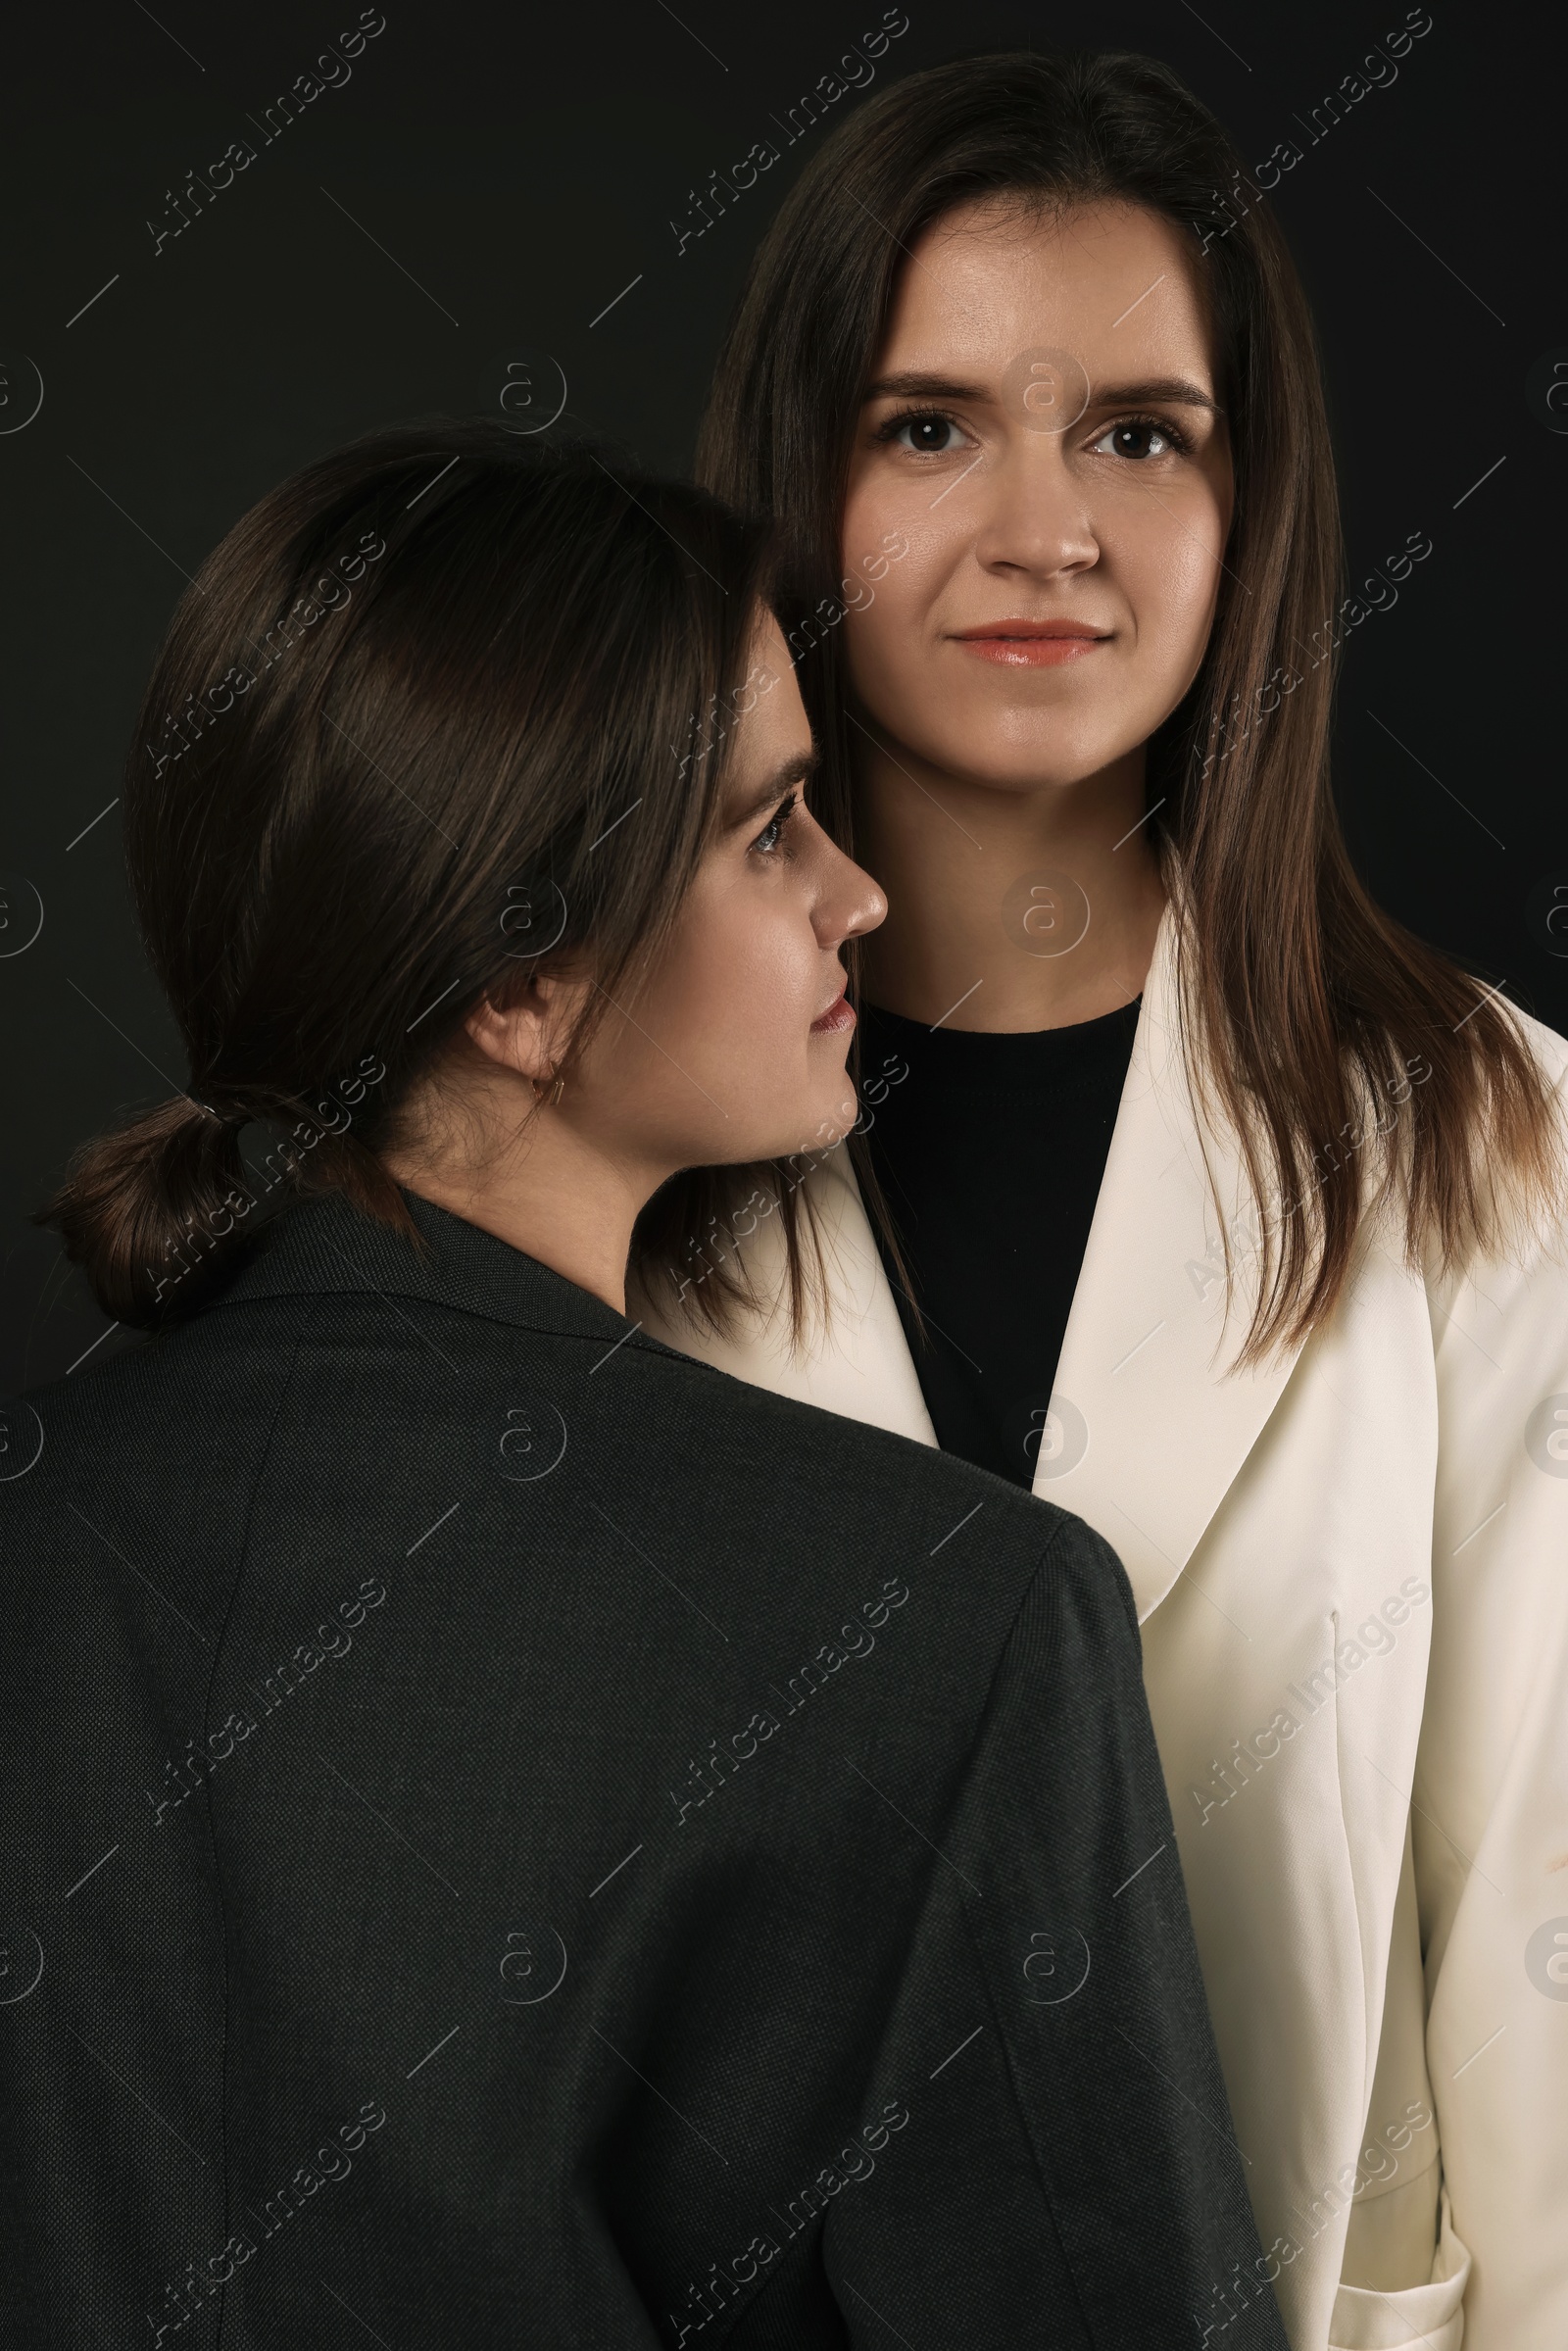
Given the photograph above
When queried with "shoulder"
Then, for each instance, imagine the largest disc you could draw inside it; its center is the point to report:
(188, 1377)
(1549, 1049)
(853, 1489)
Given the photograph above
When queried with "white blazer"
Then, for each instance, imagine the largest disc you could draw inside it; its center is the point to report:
(1351, 1570)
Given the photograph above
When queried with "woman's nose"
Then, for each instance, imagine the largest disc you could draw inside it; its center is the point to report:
(850, 905)
(1031, 512)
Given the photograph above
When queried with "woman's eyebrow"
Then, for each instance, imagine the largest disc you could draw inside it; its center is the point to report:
(1174, 388)
(914, 385)
(768, 795)
(919, 385)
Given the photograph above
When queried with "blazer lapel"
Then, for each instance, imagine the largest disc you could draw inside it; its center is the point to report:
(1147, 1425)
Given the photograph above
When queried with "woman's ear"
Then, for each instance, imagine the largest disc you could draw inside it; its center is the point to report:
(529, 1032)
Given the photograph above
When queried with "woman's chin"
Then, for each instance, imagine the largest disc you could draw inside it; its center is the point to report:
(1017, 753)
(821, 1128)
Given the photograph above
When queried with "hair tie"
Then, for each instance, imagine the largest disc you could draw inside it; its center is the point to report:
(231, 1117)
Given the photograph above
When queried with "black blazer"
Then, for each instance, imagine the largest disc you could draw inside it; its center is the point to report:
(515, 1838)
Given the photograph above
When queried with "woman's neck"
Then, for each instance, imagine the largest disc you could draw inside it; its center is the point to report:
(1018, 909)
(557, 1195)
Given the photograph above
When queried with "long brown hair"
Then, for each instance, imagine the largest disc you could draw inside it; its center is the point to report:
(1301, 1001)
(378, 777)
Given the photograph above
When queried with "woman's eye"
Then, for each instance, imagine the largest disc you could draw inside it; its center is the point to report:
(1137, 437)
(926, 435)
(771, 835)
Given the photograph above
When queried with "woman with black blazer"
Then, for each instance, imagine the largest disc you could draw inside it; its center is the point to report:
(513, 1835)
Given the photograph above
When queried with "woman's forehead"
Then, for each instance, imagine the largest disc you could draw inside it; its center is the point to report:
(1115, 283)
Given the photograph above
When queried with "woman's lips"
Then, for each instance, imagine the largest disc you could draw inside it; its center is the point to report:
(840, 1015)
(1032, 644)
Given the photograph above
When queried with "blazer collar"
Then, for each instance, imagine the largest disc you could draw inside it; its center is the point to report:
(322, 1244)
(1149, 1423)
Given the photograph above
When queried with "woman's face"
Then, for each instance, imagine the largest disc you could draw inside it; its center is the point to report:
(1041, 426)
(733, 1047)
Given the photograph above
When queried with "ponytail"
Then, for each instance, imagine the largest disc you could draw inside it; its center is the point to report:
(131, 1198)
(149, 1208)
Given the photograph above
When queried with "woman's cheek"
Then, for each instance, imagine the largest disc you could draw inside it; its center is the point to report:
(881, 643)
(1173, 593)
(885, 634)
(764, 984)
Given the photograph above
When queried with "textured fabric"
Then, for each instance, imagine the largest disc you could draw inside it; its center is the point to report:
(515, 1836)
(989, 1150)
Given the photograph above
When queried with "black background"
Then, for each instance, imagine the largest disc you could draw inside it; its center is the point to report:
(482, 187)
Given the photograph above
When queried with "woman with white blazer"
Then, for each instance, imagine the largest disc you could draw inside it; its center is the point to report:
(1190, 1190)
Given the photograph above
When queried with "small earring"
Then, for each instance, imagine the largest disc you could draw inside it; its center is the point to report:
(548, 1090)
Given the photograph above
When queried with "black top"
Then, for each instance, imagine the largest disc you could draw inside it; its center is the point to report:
(990, 1154)
(515, 1836)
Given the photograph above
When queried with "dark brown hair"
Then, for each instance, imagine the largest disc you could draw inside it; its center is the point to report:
(1301, 1001)
(396, 714)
